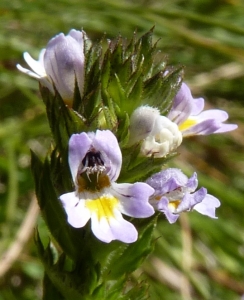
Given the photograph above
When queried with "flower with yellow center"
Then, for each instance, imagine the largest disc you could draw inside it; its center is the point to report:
(175, 193)
(188, 114)
(95, 161)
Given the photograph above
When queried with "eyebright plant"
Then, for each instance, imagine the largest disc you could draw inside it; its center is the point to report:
(116, 119)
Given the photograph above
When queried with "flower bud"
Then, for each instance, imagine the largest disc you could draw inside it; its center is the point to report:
(61, 64)
(163, 139)
(64, 63)
(142, 123)
(159, 134)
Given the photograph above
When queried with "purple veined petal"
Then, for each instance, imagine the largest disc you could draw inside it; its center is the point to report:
(162, 188)
(113, 228)
(190, 200)
(192, 183)
(78, 36)
(79, 144)
(77, 214)
(163, 207)
(63, 60)
(167, 181)
(226, 128)
(203, 128)
(106, 142)
(207, 206)
(197, 106)
(182, 105)
(134, 199)
(214, 114)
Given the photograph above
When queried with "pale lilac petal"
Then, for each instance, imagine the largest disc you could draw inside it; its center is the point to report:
(163, 207)
(79, 144)
(63, 60)
(207, 206)
(134, 198)
(190, 200)
(182, 105)
(78, 36)
(192, 182)
(78, 215)
(204, 128)
(106, 142)
(109, 229)
(197, 106)
(226, 128)
(215, 114)
(167, 180)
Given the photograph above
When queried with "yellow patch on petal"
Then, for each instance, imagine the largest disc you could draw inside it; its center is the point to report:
(103, 206)
(173, 205)
(187, 124)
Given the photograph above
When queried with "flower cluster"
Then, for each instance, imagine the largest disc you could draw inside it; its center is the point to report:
(95, 157)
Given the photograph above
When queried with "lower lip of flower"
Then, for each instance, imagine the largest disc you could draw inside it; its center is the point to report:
(103, 206)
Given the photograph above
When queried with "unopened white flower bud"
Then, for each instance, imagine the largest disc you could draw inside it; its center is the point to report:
(163, 139)
(159, 135)
(142, 123)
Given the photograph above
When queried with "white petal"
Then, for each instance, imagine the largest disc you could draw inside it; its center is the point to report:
(109, 229)
(27, 71)
(78, 214)
(35, 65)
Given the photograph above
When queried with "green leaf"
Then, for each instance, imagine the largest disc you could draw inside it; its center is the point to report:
(63, 121)
(128, 260)
(70, 284)
(159, 91)
(51, 208)
(50, 291)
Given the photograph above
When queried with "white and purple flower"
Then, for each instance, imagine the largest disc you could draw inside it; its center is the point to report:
(188, 114)
(175, 193)
(95, 161)
(61, 64)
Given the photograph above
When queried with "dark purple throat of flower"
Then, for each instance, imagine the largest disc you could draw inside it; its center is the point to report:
(92, 176)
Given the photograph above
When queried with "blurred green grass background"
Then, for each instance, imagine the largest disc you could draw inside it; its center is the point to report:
(196, 258)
